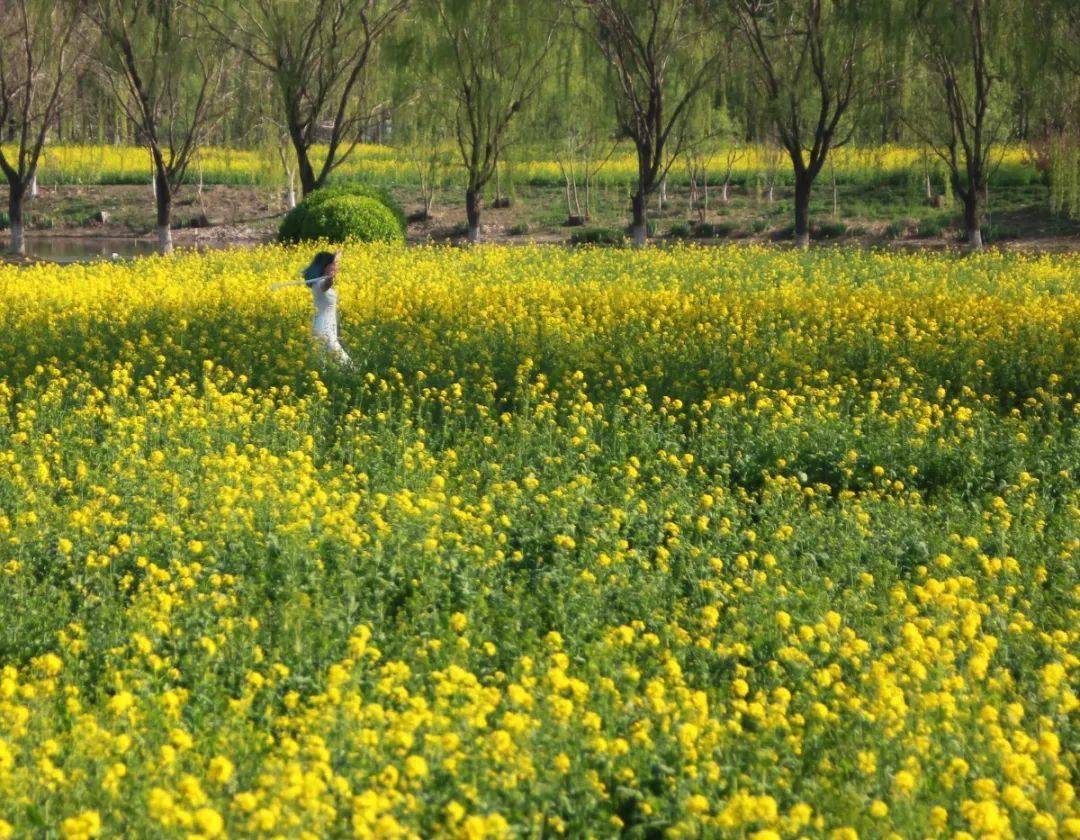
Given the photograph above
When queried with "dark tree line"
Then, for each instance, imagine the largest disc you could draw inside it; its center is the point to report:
(667, 77)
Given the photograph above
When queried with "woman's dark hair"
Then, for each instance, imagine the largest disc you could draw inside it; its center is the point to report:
(323, 259)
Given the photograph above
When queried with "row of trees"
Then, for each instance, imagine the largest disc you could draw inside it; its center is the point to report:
(667, 76)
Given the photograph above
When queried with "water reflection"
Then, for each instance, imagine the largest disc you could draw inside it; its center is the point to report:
(72, 249)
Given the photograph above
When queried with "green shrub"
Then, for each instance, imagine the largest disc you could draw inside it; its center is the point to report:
(899, 228)
(928, 227)
(597, 236)
(680, 230)
(380, 194)
(297, 224)
(292, 226)
(830, 230)
(997, 231)
(709, 230)
(759, 225)
(353, 218)
(5, 222)
(520, 229)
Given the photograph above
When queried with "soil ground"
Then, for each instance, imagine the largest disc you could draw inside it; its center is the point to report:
(1019, 217)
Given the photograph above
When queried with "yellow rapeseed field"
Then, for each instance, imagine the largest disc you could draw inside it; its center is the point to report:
(670, 543)
(94, 164)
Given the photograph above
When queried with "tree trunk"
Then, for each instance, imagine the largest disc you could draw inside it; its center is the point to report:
(803, 182)
(639, 226)
(303, 164)
(163, 192)
(15, 216)
(972, 230)
(290, 176)
(472, 214)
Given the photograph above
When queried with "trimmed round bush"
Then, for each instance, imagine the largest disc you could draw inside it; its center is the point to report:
(292, 226)
(298, 225)
(352, 218)
(380, 194)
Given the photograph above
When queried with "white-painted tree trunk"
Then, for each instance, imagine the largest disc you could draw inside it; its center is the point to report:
(18, 239)
(640, 234)
(474, 233)
(33, 186)
(974, 239)
(165, 243)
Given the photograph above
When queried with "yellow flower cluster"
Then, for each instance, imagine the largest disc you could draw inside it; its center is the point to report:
(683, 543)
(70, 164)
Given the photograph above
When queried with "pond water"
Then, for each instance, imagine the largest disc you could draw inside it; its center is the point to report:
(71, 249)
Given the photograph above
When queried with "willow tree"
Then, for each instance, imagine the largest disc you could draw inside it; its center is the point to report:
(660, 56)
(1055, 76)
(165, 71)
(493, 54)
(40, 52)
(318, 54)
(964, 117)
(422, 112)
(573, 121)
(807, 59)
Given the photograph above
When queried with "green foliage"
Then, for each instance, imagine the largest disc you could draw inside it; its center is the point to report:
(680, 230)
(301, 223)
(380, 194)
(897, 228)
(710, 230)
(353, 218)
(597, 236)
(929, 227)
(830, 230)
(1065, 175)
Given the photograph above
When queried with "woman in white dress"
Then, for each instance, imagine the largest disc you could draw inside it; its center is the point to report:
(319, 277)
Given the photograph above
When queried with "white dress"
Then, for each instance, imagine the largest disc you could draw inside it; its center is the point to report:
(324, 327)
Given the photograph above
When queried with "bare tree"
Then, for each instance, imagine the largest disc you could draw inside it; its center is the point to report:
(317, 53)
(495, 51)
(581, 156)
(961, 126)
(807, 59)
(733, 153)
(150, 48)
(430, 158)
(39, 54)
(661, 54)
